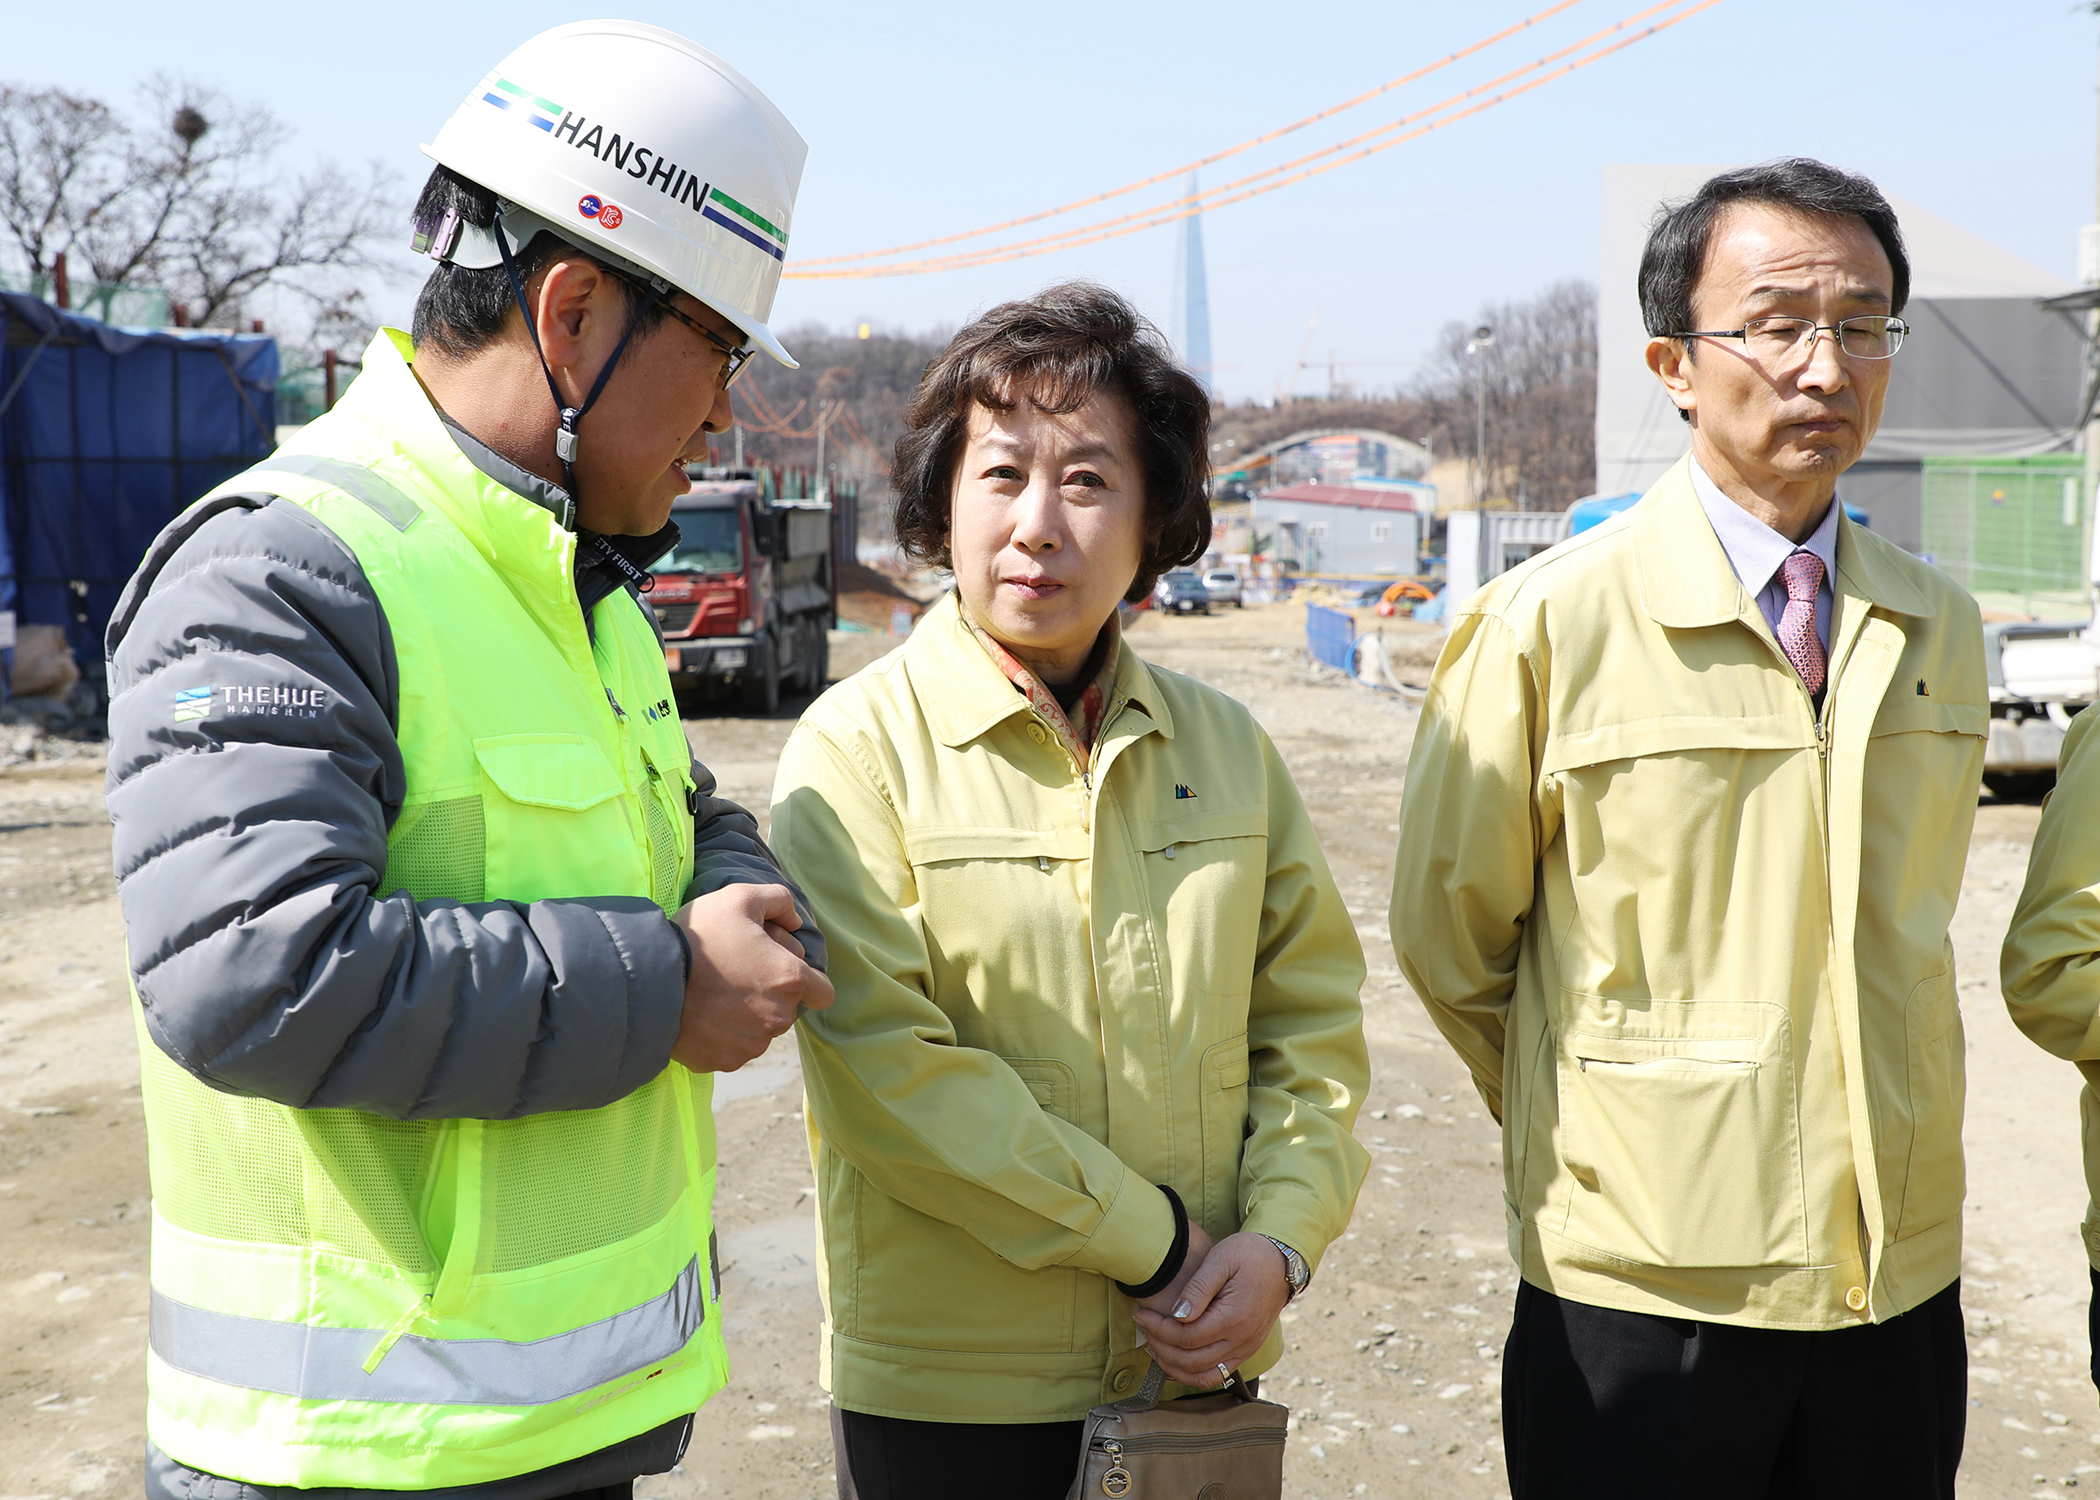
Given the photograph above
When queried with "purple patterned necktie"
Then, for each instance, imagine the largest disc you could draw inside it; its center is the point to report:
(1803, 575)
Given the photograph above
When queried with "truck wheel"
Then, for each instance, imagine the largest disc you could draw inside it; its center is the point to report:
(2018, 786)
(819, 676)
(762, 691)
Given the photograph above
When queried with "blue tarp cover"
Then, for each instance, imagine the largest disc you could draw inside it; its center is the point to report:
(106, 434)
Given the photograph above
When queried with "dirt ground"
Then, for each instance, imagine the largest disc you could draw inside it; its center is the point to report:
(1394, 1355)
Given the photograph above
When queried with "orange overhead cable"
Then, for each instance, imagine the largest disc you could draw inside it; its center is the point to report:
(1217, 156)
(1176, 209)
(769, 421)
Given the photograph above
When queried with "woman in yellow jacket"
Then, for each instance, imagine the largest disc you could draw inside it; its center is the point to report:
(1086, 1095)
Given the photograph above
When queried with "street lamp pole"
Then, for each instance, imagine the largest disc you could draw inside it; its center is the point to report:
(1483, 339)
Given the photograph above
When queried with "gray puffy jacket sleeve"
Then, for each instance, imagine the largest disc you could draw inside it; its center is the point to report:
(249, 849)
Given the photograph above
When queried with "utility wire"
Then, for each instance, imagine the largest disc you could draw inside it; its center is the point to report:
(1200, 199)
(1177, 209)
(1197, 165)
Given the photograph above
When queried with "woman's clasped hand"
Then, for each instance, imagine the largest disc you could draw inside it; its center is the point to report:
(1218, 1310)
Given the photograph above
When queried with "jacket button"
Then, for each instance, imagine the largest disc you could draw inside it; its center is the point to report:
(1122, 1381)
(1856, 1299)
(1037, 733)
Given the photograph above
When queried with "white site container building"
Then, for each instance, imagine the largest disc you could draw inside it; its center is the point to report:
(1368, 528)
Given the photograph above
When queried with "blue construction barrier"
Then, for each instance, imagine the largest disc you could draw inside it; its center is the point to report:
(107, 433)
(1330, 636)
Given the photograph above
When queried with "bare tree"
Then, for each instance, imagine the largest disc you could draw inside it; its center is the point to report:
(191, 199)
(1540, 379)
(61, 158)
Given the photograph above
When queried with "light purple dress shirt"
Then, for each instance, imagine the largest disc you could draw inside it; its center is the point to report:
(1756, 551)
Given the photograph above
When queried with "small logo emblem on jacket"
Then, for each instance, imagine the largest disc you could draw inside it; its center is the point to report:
(1921, 689)
(268, 702)
(1182, 793)
(660, 709)
(192, 703)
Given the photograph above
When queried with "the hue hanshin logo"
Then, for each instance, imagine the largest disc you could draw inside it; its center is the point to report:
(272, 702)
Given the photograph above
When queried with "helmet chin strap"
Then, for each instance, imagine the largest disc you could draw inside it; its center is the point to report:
(568, 441)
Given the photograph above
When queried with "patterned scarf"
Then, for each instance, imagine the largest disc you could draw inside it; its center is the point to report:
(1075, 731)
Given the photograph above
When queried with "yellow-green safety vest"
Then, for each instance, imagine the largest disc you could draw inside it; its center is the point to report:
(345, 1300)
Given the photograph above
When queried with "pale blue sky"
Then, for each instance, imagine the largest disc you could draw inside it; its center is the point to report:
(927, 118)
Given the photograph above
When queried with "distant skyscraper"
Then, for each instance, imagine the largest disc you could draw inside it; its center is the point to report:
(1192, 299)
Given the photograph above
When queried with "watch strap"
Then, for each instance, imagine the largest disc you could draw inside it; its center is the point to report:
(1296, 1270)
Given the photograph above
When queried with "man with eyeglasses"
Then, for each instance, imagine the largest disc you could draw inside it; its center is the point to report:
(438, 932)
(1683, 833)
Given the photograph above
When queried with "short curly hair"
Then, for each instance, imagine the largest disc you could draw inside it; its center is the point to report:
(1058, 350)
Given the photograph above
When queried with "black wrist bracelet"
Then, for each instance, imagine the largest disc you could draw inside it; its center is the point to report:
(1178, 1253)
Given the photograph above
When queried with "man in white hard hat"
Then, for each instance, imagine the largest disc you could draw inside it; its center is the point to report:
(437, 932)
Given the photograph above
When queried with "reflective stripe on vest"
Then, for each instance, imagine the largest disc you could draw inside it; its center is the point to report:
(327, 1364)
(393, 507)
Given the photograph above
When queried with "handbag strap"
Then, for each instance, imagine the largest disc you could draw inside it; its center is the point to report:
(1147, 1396)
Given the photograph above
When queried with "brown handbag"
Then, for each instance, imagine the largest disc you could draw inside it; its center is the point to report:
(1224, 1446)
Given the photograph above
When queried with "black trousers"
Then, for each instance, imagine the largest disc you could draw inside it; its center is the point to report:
(1630, 1406)
(2092, 1323)
(891, 1458)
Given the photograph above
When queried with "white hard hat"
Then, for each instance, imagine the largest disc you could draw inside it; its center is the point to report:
(642, 149)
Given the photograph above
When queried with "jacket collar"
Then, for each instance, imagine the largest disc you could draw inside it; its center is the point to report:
(1686, 580)
(965, 694)
(521, 523)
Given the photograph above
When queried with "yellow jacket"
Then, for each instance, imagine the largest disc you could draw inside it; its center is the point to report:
(2048, 970)
(1054, 991)
(1692, 939)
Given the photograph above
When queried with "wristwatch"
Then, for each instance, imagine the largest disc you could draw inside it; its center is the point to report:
(1295, 1270)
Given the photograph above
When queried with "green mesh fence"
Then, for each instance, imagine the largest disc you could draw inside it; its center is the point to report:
(2012, 531)
(128, 306)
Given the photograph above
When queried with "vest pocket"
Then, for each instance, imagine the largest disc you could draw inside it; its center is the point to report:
(556, 821)
(1679, 1129)
(667, 819)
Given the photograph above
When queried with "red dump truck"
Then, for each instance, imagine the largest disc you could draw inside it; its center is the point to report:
(746, 597)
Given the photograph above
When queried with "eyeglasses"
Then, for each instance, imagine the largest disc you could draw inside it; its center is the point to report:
(734, 357)
(1783, 343)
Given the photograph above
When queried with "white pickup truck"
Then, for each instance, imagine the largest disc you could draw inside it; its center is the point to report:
(2040, 673)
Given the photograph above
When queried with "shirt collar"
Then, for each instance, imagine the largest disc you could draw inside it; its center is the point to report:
(964, 694)
(1077, 729)
(1755, 551)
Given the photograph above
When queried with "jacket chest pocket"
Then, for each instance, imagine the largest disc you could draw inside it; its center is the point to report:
(1669, 826)
(1004, 914)
(1684, 1148)
(556, 822)
(1205, 876)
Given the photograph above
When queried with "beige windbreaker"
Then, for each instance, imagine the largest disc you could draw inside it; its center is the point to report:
(1055, 990)
(1690, 937)
(2049, 970)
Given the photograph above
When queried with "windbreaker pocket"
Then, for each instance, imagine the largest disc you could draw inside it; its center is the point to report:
(1934, 1176)
(1684, 1149)
(1224, 1119)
